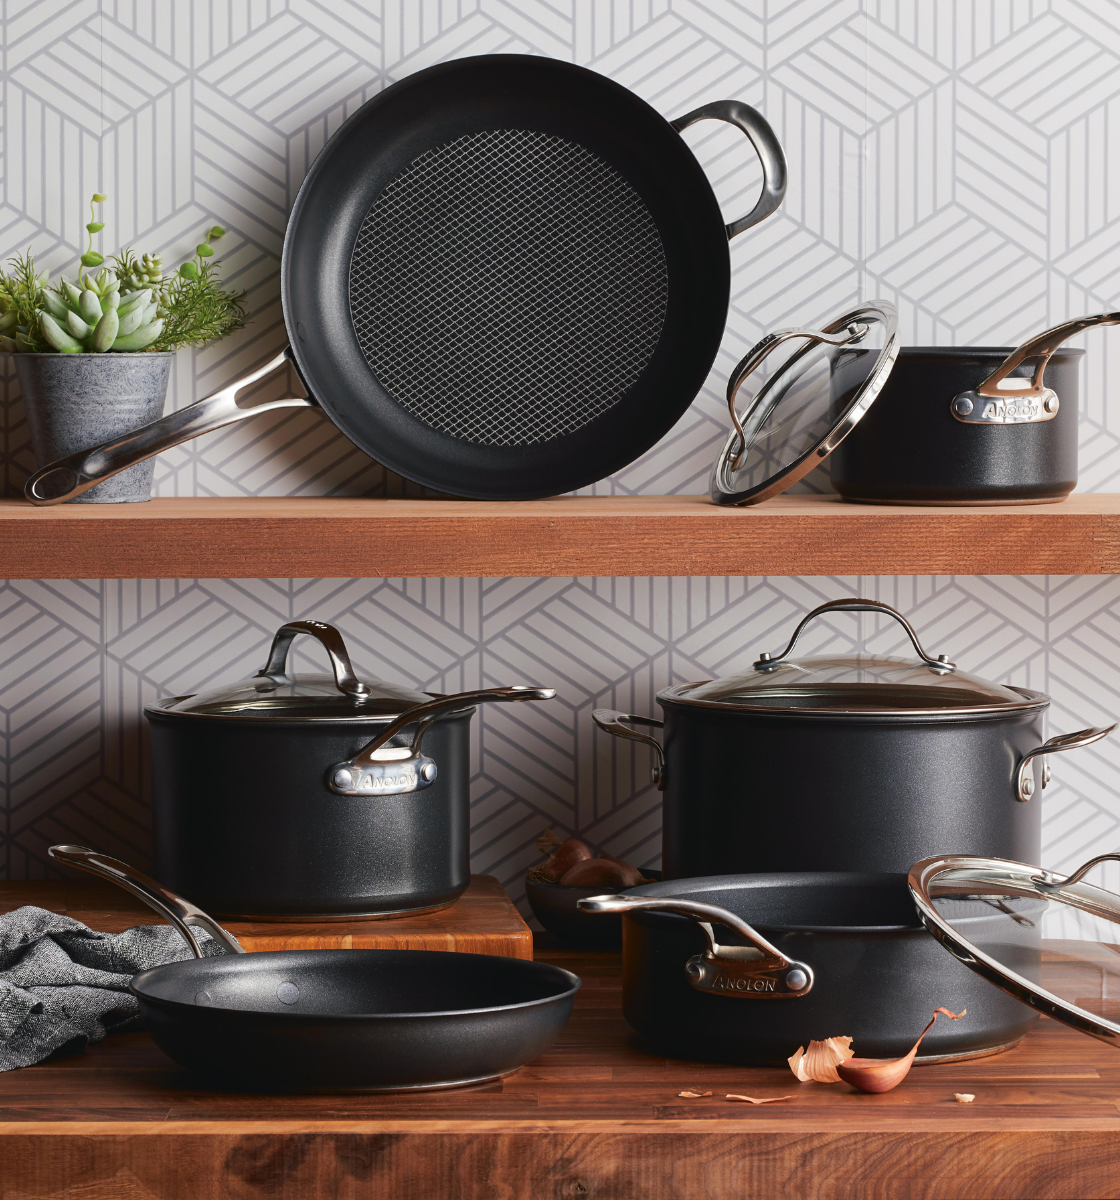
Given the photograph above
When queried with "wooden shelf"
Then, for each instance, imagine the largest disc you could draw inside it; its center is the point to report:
(583, 535)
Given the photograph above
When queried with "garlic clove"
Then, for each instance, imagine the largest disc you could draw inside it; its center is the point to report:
(882, 1074)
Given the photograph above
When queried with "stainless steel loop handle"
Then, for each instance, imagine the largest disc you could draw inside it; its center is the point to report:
(77, 473)
(379, 769)
(766, 146)
(941, 663)
(179, 912)
(1024, 778)
(617, 724)
(1054, 882)
(758, 970)
(330, 639)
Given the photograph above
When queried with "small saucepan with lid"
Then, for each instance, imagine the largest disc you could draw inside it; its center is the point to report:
(930, 425)
(315, 796)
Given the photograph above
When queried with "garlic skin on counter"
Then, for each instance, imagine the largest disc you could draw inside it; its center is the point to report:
(833, 1061)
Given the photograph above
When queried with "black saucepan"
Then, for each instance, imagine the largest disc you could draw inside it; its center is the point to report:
(503, 277)
(809, 956)
(338, 1020)
(286, 796)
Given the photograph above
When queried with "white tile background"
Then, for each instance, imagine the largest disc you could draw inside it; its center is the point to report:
(954, 158)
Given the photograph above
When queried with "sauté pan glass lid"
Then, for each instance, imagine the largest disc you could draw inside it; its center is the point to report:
(1054, 943)
(800, 410)
(921, 685)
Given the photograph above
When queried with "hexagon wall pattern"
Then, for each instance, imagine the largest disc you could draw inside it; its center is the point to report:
(927, 166)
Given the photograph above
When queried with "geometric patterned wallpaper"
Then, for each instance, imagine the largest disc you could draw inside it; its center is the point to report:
(953, 158)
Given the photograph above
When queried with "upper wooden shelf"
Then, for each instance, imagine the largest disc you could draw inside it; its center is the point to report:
(581, 535)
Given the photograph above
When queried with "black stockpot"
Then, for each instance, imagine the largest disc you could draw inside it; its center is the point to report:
(910, 448)
(847, 764)
(315, 796)
(834, 954)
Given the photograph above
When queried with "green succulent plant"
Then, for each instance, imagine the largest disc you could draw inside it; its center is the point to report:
(130, 306)
(93, 316)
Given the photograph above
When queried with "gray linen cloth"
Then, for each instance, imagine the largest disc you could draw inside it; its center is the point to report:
(64, 986)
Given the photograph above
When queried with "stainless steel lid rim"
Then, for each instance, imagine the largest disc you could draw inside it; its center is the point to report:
(160, 710)
(1033, 702)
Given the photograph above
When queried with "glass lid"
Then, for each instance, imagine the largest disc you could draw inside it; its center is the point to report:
(859, 684)
(800, 409)
(273, 693)
(1050, 940)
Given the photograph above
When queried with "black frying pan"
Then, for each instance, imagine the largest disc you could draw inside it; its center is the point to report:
(503, 277)
(338, 1020)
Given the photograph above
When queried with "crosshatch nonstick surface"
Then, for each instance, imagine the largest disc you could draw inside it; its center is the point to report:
(508, 287)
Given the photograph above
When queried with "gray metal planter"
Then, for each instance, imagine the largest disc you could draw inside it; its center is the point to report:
(75, 401)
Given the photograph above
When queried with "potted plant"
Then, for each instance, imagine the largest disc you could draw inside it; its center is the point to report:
(93, 354)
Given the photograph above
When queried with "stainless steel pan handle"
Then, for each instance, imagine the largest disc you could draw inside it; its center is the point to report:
(379, 769)
(766, 146)
(330, 639)
(758, 971)
(995, 403)
(617, 724)
(181, 913)
(940, 664)
(71, 476)
(1024, 777)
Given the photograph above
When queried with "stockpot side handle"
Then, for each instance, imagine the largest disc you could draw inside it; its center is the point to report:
(423, 715)
(1024, 778)
(617, 724)
(766, 146)
(331, 641)
(77, 473)
(179, 912)
(1042, 346)
(940, 664)
(757, 971)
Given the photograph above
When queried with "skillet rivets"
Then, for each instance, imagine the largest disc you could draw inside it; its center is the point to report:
(796, 979)
(204, 998)
(287, 992)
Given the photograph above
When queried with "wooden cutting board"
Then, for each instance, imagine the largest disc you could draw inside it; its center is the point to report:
(482, 921)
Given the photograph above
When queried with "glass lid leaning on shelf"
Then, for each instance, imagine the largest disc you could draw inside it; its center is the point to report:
(796, 396)
(1050, 940)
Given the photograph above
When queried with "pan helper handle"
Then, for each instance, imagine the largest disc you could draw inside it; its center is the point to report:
(757, 971)
(617, 724)
(379, 769)
(181, 913)
(1024, 777)
(71, 476)
(766, 146)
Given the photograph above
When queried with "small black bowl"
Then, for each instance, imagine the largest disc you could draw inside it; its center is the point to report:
(555, 907)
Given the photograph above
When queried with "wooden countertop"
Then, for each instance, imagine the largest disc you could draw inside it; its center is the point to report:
(265, 537)
(595, 1117)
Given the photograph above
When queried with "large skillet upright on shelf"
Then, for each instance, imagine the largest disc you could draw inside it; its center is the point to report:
(503, 277)
(337, 1020)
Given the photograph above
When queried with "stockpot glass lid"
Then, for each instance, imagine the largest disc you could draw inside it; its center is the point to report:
(799, 410)
(858, 684)
(273, 693)
(1051, 941)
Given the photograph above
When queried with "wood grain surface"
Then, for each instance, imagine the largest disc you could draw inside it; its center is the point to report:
(482, 921)
(597, 1116)
(568, 535)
